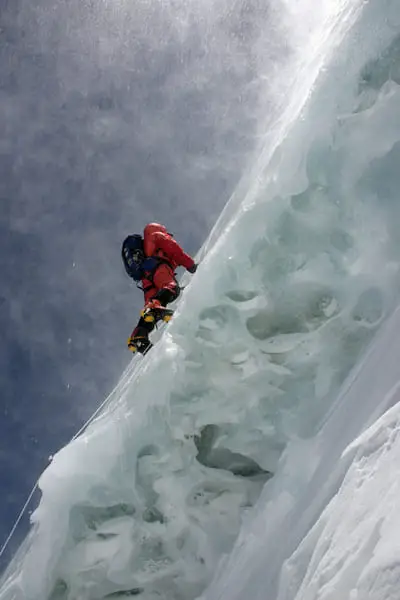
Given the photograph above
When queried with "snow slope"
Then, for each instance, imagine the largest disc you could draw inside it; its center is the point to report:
(253, 452)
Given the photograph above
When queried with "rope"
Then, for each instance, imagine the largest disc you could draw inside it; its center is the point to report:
(21, 514)
(81, 430)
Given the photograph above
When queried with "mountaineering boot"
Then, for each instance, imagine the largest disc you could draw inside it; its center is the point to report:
(154, 311)
(139, 341)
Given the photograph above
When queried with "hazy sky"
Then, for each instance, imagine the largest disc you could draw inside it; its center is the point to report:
(114, 113)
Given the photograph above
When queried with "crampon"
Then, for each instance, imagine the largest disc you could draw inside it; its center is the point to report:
(154, 312)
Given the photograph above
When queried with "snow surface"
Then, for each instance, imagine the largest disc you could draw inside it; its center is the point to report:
(254, 452)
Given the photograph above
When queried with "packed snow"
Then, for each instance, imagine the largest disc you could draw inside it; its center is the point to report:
(254, 453)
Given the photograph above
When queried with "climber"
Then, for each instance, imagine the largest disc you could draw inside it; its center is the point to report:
(152, 260)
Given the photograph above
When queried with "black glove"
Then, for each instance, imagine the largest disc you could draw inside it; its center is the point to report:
(193, 268)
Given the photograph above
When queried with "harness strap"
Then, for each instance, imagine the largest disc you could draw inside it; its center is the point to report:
(150, 274)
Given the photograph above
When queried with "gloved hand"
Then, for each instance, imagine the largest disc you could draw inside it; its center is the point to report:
(193, 268)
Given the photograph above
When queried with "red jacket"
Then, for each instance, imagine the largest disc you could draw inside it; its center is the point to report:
(158, 242)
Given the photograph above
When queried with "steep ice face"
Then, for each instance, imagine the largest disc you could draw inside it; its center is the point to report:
(155, 492)
(325, 526)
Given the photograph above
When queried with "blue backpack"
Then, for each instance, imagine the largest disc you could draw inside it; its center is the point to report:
(135, 262)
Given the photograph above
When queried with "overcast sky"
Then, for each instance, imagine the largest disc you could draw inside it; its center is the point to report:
(113, 113)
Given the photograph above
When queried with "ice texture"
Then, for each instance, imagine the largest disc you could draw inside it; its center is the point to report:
(248, 455)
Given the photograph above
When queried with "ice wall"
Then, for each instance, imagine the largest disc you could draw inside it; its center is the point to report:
(323, 527)
(150, 499)
(326, 525)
